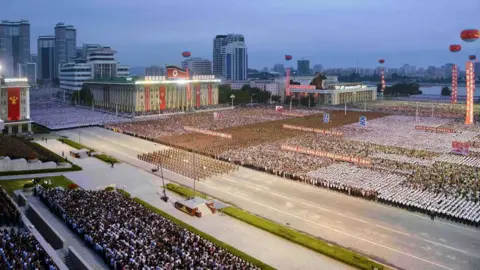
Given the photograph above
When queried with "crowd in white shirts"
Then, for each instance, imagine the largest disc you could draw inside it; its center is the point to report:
(62, 116)
(129, 236)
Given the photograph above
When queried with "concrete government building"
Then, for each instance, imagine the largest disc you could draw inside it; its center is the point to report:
(176, 90)
(15, 105)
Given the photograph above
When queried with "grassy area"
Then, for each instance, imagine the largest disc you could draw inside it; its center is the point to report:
(103, 157)
(74, 144)
(12, 185)
(208, 237)
(37, 129)
(315, 244)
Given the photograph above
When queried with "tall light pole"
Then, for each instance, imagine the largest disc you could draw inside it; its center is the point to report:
(232, 97)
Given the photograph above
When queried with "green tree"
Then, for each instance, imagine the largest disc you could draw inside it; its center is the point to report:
(446, 91)
(84, 96)
(276, 98)
(224, 93)
(263, 96)
(403, 89)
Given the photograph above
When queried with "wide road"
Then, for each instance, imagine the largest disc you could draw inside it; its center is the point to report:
(405, 239)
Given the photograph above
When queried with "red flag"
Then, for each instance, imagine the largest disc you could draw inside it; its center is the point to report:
(210, 94)
(13, 104)
(174, 72)
(197, 91)
(146, 98)
(163, 103)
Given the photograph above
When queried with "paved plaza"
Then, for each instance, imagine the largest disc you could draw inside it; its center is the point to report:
(272, 250)
(407, 240)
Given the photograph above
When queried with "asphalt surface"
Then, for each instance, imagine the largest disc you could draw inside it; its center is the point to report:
(405, 239)
(273, 250)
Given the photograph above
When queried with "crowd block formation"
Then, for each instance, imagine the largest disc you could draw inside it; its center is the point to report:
(189, 164)
(129, 236)
(18, 247)
(397, 155)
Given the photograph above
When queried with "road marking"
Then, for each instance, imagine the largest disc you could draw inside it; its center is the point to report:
(346, 216)
(298, 185)
(111, 141)
(327, 227)
(308, 221)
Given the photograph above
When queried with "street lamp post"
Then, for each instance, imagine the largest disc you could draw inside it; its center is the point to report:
(165, 198)
(232, 97)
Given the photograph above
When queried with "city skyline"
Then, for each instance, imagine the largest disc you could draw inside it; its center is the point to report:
(272, 29)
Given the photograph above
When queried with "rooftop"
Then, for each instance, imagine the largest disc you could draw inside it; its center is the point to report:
(150, 80)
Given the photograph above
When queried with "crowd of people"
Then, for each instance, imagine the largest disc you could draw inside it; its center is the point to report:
(187, 163)
(451, 199)
(62, 116)
(174, 125)
(9, 214)
(424, 109)
(400, 131)
(129, 236)
(20, 250)
(18, 247)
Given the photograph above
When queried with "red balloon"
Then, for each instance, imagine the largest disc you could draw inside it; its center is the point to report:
(470, 35)
(288, 57)
(455, 48)
(472, 57)
(381, 61)
(186, 54)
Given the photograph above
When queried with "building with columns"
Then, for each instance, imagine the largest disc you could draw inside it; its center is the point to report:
(176, 90)
(15, 105)
(333, 92)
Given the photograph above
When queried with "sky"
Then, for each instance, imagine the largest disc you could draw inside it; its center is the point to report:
(334, 33)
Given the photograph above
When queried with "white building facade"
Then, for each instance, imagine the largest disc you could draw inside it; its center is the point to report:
(99, 63)
(198, 66)
(235, 61)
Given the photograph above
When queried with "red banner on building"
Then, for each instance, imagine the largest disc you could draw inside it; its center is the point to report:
(210, 102)
(174, 72)
(163, 102)
(13, 104)
(197, 97)
(146, 98)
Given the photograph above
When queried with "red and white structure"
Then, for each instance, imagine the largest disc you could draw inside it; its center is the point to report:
(15, 115)
(382, 76)
(454, 84)
(470, 78)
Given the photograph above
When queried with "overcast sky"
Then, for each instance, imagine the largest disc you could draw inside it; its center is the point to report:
(334, 33)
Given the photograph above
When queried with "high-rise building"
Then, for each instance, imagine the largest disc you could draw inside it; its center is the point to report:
(303, 67)
(198, 66)
(235, 61)
(154, 71)
(79, 52)
(14, 46)
(33, 58)
(29, 71)
(65, 45)
(218, 42)
(279, 68)
(99, 63)
(46, 57)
